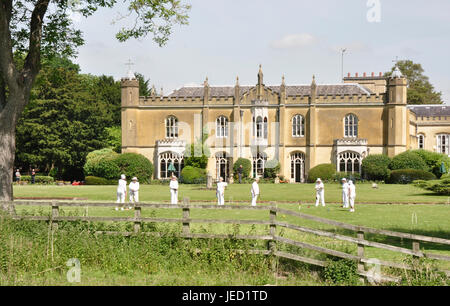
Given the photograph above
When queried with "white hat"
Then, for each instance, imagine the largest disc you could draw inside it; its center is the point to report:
(122, 176)
(344, 179)
(318, 180)
(134, 179)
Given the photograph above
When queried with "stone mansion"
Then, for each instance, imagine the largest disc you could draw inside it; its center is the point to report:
(301, 126)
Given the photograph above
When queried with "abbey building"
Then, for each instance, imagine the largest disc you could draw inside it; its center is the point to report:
(300, 126)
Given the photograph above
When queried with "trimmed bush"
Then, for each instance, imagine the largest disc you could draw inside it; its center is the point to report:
(38, 179)
(133, 164)
(376, 167)
(93, 180)
(271, 169)
(406, 176)
(441, 187)
(434, 161)
(246, 167)
(100, 163)
(348, 175)
(193, 175)
(325, 172)
(408, 160)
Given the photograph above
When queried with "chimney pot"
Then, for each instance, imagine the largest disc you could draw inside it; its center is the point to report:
(373, 73)
(365, 74)
(349, 74)
(381, 73)
(356, 74)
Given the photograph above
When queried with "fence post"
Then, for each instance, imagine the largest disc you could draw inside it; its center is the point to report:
(137, 217)
(273, 227)
(416, 248)
(55, 214)
(186, 216)
(360, 235)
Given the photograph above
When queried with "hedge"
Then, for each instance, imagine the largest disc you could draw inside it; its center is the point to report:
(38, 179)
(133, 164)
(193, 175)
(376, 167)
(93, 180)
(434, 160)
(406, 176)
(246, 167)
(325, 172)
(348, 175)
(408, 160)
(441, 187)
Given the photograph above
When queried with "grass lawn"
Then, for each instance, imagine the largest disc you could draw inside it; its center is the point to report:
(405, 209)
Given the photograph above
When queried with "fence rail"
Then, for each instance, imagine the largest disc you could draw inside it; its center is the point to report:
(272, 238)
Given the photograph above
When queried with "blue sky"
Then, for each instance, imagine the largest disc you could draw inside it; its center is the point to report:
(229, 38)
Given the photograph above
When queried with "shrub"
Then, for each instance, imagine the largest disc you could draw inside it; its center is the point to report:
(341, 272)
(406, 176)
(376, 167)
(424, 272)
(246, 167)
(348, 175)
(100, 163)
(442, 187)
(272, 168)
(93, 180)
(133, 164)
(434, 161)
(325, 172)
(192, 175)
(408, 160)
(38, 179)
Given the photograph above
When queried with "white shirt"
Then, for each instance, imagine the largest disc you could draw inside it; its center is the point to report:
(134, 186)
(345, 188)
(122, 186)
(173, 184)
(221, 187)
(255, 188)
(319, 187)
(352, 189)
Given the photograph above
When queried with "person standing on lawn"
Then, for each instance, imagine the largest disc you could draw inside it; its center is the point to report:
(121, 191)
(17, 176)
(255, 191)
(134, 191)
(320, 192)
(240, 171)
(220, 192)
(173, 190)
(33, 176)
(352, 195)
(345, 193)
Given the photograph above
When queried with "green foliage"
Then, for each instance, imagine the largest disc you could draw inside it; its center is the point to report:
(272, 168)
(193, 175)
(408, 160)
(407, 176)
(375, 167)
(441, 187)
(348, 175)
(434, 161)
(424, 272)
(341, 272)
(114, 138)
(246, 167)
(94, 180)
(38, 179)
(196, 155)
(101, 163)
(133, 164)
(144, 89)
(420, 90)
(325, 172)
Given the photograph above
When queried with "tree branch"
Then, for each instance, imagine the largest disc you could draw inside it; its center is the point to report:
(7, 67)
(33, 60)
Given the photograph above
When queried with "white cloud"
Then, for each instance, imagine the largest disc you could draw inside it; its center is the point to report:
(294, 41)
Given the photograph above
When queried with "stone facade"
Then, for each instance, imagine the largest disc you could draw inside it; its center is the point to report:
(301, 126)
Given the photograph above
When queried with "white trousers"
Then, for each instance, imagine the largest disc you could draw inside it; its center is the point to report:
(174, 196)
(320, 196)
(254, 199)
(134, 196)
(352, 202)
(120, 197)
(220, 198)
(345, 199)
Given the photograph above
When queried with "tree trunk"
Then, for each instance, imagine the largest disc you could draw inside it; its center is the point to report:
(8, 120)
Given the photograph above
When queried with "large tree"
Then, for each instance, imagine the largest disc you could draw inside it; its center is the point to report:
(36, 27)
(420, 90)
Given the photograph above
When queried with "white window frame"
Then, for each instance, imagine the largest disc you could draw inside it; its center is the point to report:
(421, 141)
(172, 127)
(442, 143)
(351, 122)
(349, 157)
(222, 127)
(298, 126)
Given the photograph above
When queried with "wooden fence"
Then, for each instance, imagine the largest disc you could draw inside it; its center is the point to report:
(361, 239)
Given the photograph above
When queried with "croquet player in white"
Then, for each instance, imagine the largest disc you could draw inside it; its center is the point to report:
(344, 193)
(134, 191)
(173, 190)
(121, 191)
(220, 192)
(352, 195)
(320, 192)
(255, 191)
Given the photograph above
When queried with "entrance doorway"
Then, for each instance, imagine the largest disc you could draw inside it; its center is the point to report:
(298, 167)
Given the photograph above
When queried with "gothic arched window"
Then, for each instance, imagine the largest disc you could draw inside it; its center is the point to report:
(350, 126)
(298, 126)
(171, 127)
(222, 127)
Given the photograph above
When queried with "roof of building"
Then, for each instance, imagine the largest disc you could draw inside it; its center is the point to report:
(293, 90)
(430, 110)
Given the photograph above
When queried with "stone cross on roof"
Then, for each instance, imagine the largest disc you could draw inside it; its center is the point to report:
(130, 72)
